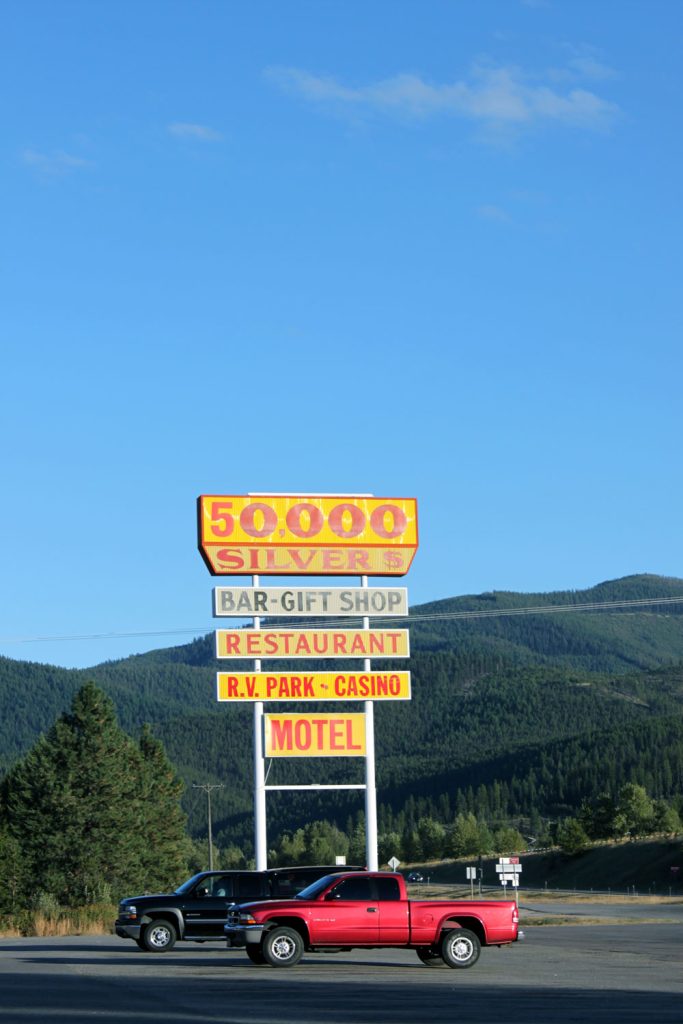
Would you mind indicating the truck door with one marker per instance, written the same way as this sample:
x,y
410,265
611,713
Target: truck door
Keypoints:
x,y
394,918
206,907
348,915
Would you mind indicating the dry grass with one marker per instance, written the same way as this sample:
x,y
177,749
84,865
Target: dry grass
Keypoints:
x,y
44,927
90,920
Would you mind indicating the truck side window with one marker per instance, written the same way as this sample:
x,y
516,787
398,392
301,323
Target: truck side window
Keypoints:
x,y
253,887
287,884
387,889
222,887
352,889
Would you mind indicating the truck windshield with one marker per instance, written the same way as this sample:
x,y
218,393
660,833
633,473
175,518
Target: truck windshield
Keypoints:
x,y
312,890
186,886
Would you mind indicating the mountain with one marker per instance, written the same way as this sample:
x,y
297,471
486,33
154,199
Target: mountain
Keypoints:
x,y
513,713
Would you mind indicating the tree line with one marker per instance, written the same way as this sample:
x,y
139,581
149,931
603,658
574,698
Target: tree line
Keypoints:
x,y
90,814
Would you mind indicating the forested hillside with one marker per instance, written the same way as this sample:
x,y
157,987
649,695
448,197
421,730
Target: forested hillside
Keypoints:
x,y
513,715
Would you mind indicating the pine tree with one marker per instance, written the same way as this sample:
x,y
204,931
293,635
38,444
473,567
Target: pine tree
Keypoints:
x,y
12,873
571,836
167,851
79,802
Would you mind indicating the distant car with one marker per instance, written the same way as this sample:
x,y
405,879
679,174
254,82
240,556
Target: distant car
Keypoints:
x,y
415,876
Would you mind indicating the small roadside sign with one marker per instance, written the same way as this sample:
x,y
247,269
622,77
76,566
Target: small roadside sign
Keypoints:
x,y
509,869
394,863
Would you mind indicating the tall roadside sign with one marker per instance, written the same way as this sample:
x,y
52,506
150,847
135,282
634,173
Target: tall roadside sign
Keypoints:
x,y
287,535
310,535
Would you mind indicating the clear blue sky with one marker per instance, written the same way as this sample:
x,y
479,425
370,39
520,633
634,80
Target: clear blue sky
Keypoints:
x,y
425,249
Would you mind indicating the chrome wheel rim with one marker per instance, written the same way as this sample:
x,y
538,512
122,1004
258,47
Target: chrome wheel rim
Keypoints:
x,y
283,948
159,937
461,949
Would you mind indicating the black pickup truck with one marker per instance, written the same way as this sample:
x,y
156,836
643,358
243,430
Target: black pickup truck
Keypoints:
x,y
198,909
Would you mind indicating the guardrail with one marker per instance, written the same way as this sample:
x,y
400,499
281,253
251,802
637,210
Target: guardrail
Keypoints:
x,y
452,890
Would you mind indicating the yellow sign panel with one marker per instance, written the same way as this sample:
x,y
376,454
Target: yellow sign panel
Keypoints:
x,y
286,686
244,535
314,735
312,643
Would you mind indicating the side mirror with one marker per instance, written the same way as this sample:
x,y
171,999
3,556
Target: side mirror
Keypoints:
x,y
201,892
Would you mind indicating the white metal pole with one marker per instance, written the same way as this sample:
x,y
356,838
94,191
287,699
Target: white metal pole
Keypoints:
x,y
260,830
370,784
208,794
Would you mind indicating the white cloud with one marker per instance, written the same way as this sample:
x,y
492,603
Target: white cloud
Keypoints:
x,y
55,163
489,211
187,130
590,67
491,96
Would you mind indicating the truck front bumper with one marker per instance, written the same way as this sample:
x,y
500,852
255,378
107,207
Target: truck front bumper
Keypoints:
x,y
241,935
127,931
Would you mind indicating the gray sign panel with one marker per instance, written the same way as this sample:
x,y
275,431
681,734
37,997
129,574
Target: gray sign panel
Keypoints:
x,y
310,602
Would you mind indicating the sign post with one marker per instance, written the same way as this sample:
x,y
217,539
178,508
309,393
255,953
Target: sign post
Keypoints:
x,y
260,834
509,869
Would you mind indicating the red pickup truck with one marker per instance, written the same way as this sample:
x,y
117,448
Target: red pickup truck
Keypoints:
x,y
370,909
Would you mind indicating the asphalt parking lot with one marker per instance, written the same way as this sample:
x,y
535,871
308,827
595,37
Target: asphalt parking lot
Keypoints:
x,y
593,973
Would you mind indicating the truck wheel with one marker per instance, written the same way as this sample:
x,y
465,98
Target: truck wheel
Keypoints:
x,y
159,937
255,953
283,947
430,956
460,948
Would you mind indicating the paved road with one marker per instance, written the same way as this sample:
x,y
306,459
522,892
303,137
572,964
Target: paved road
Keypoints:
x,y
621,910
593,974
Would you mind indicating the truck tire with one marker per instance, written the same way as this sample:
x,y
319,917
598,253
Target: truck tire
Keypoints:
x,y
430,956
255,953
159,937
460,948
282,947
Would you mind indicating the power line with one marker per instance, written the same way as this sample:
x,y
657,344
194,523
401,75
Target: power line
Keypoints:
x,y
484,613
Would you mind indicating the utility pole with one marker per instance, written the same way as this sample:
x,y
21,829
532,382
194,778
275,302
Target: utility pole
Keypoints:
x,y
207,787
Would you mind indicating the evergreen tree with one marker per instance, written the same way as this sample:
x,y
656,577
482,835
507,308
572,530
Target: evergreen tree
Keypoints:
x,y
78,805
571,836
666,818
388,846
12,873
357,845
432,838
508,841
323,843
598,817
466,838
412,847
168,849
635,811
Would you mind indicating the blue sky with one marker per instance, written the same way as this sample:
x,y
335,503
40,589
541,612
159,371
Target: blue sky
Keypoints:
x,y
406,248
